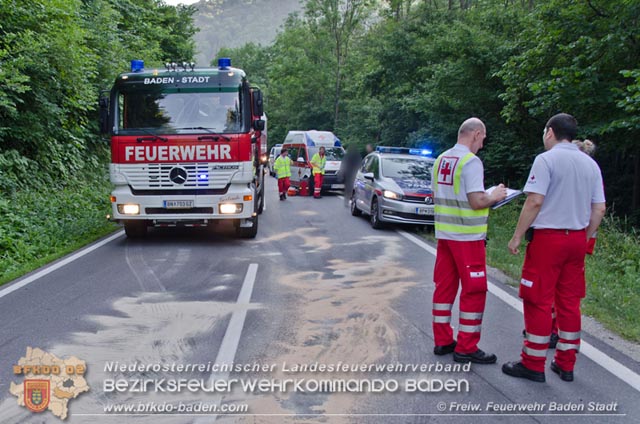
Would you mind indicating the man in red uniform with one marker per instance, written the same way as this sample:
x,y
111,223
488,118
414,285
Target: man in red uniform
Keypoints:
x,y
461,213
565,204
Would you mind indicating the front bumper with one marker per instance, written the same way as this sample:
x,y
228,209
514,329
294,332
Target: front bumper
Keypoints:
x,y
331,182
201,207
404,212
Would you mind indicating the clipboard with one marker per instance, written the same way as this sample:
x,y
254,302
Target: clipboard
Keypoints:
x,y
511,194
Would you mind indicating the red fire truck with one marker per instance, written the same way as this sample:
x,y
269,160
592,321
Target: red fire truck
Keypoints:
x,y
188,147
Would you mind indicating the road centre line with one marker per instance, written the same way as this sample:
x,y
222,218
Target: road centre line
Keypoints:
x,y
614,367
49,269
231,339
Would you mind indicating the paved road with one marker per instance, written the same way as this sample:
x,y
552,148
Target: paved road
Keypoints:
x,y
317,288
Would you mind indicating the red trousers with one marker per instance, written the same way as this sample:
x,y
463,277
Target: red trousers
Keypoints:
x,y
553,277
459,263
317,184
283,185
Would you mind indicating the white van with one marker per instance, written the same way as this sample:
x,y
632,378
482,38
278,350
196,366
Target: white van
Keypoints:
x,y
302,145
273,155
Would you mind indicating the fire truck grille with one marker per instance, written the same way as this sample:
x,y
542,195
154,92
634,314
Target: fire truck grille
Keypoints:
x,y
159,211
154,176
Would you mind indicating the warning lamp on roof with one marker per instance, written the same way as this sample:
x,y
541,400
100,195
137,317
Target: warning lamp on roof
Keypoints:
x,y
137,65
224,63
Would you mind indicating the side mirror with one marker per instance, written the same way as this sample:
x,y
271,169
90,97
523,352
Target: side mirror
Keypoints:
x,y
301,160
368,176
258,125
103,106
258,107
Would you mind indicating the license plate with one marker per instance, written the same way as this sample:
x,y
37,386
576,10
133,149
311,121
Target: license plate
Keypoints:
x,y
424,211
178,204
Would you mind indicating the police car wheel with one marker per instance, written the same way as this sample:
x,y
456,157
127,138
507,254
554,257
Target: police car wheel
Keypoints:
x,y
354,209
375,215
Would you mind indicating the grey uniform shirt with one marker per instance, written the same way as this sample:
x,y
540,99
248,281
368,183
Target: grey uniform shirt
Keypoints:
x,y
570,182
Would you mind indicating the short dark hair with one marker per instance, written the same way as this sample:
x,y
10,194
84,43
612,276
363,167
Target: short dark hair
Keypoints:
x,y
564,126
284,150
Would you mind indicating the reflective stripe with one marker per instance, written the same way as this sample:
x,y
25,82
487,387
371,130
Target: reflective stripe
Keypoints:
x,y
450,202
567,335
458,211
537,339
434,176
567,346
460,220
470,328
541,353
438,319
458,173
442,306
461,229
471,315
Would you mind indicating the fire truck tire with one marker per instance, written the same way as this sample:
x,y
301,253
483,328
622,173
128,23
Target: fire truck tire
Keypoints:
x,y
261,200
249,232
135,229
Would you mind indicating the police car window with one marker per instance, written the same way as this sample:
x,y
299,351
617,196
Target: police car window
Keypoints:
x,y
407,168
366,163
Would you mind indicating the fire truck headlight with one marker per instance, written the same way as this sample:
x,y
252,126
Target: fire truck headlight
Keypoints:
x,y
264,158
230,208
129,209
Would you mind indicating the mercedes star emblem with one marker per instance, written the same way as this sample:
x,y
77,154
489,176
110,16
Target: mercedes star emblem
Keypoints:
x,y
178,175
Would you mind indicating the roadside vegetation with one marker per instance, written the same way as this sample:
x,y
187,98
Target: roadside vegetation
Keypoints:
x,y
612,272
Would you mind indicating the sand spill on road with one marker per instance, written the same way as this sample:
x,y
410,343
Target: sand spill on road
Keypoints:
x,y
343,316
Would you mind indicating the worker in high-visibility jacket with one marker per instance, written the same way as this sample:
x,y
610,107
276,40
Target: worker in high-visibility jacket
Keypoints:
x,y
461,214
282,166
318,162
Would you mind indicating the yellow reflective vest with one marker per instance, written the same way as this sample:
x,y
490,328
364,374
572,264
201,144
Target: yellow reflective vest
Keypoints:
x,y
455,219
318,163
282,166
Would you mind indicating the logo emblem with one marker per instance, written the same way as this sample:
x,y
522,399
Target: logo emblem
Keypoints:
x,y
428,200
36,394
178,175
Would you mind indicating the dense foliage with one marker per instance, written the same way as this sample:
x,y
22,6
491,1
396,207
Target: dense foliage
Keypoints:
x,y
402,72
55,58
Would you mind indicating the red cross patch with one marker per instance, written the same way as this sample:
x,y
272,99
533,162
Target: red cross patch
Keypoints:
x,y
447,169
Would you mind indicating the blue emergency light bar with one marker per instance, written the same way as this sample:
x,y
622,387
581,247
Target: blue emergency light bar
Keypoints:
x,y
404,150
137,65
224,63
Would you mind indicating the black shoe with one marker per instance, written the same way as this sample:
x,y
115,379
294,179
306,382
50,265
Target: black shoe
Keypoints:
x,y
444,350
553,341
282,197
477,357
564,375
516,369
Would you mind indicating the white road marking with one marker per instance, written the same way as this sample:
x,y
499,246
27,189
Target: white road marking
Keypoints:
x,y
614,367
49,269
231,339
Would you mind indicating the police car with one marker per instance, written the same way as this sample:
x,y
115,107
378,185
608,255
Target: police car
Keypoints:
x,y
394,185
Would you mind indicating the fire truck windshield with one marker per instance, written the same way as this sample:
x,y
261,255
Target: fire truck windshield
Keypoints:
x,y
179,112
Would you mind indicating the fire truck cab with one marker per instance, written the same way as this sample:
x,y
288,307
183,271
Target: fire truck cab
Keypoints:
x,y
188,147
